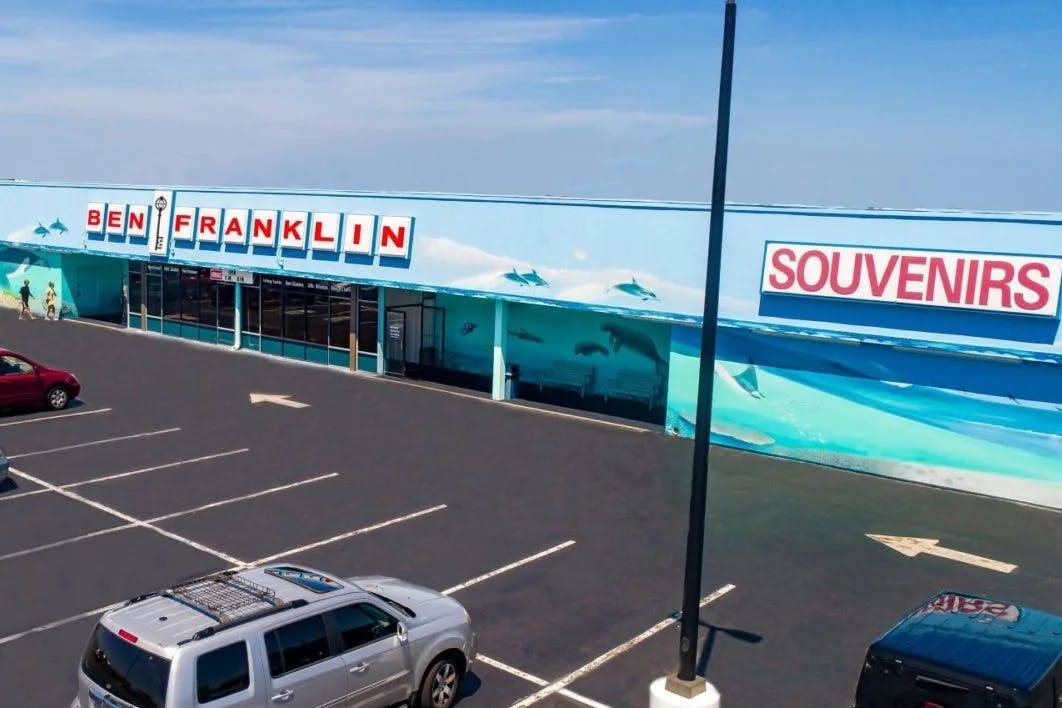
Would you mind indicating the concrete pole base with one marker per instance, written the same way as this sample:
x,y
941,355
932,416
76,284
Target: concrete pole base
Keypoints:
x,y
661,697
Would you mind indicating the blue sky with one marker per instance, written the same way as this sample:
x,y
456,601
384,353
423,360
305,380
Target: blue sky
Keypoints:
x,y
950,103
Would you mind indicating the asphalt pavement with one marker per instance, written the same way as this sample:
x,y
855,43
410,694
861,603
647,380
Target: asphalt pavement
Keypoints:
x,y
564,537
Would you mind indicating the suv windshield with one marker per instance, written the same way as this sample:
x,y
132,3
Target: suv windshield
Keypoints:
x,y
125,670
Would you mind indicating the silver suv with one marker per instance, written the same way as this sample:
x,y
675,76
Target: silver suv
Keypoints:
x,y
279,635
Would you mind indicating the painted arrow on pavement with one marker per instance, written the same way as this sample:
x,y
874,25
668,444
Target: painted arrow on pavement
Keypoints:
x,y
279,399
911,547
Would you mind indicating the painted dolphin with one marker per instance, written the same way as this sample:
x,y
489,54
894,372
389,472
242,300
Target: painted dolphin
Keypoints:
x,y
41,229
534,278
516,277
58,226
620,336
588,348
636,289
24,258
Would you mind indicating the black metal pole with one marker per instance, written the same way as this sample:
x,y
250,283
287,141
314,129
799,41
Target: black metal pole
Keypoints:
x,y
699,485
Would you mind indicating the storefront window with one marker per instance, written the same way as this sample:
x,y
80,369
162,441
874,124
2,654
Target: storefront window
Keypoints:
x,y
154,290
317,312
294,310
339,317
135,286
225,299
208,293
272,308
171,292
189,294
368,316
251,310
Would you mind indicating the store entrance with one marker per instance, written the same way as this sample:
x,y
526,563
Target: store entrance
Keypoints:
x,y
415,339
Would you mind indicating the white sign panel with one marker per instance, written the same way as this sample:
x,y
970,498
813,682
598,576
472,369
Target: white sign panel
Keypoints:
x,y
159,236
116,219
325,232
235,231
988,282
184,223
396,233
208,225
136,223
293,227
358,232
263,227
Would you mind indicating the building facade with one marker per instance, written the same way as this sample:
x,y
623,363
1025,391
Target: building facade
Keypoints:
x,y
920,345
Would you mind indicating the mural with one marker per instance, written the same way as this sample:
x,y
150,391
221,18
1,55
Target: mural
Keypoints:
x,y
18,265
984,424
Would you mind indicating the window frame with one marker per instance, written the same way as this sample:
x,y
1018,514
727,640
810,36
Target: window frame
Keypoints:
x,y
330,640
248,666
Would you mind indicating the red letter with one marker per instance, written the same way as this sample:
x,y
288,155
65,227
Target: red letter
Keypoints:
x,y
1001,283
357,234
971,284
95,217
906,276
114,220
233,227
938,272
207,224
783,268
877,287
1039,288
389,234
857,272
824,271
263,227
290,230
136,220
318,237
180,221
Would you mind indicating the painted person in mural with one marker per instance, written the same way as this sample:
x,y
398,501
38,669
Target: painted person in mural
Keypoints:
x,y
26,295
49,301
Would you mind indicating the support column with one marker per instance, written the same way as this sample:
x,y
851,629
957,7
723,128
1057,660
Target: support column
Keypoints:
x,y
237,317
501,316
381,331
354,315
143,295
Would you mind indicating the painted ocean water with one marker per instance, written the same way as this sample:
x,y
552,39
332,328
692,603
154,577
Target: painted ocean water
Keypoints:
x,y
988,421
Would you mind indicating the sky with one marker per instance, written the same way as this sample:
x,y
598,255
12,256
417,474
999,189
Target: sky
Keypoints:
x,y
864,103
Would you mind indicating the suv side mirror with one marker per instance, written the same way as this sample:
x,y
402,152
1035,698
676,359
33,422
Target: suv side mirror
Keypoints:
x,y
402,635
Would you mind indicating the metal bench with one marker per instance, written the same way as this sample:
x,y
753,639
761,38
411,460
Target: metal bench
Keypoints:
x,y
568,374
634,384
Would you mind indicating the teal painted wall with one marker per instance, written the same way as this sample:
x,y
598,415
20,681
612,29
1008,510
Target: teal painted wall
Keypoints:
x,y
19,264
93,284
540,335
469,333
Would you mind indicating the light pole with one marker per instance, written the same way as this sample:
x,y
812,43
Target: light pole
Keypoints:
x,y
685,688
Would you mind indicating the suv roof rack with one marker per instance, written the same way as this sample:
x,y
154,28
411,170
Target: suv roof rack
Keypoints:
x,y
224,597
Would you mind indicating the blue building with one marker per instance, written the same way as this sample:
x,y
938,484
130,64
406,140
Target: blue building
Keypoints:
x,y
921,345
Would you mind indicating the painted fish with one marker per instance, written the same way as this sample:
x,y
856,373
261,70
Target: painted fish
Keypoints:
x,y
515,277
524,334
636,289
534,278
468,328
588,348
41,229
58,226
620,336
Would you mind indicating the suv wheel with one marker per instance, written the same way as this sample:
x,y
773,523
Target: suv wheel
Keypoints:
x,y
438,688
57,398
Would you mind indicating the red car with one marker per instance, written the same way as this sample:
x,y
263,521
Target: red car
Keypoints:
x,y
24,382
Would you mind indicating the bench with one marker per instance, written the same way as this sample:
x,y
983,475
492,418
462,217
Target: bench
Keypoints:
x,y
568,374
634,384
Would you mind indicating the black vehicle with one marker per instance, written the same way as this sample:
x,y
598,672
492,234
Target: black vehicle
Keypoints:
x,y
961,651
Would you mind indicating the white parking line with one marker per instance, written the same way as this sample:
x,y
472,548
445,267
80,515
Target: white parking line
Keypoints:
x,y
120,475
126,517
25,494
185,512
539,681
344,536
46,418
505,568
59,623
560,684
94,442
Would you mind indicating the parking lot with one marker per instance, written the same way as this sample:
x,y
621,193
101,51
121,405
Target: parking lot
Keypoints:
x,y
563,536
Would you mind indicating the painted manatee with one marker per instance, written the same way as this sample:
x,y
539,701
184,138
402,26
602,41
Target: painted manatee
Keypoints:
x,y
588,348
620,336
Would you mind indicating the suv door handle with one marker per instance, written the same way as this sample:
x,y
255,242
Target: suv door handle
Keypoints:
x,y
359,668
283,697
